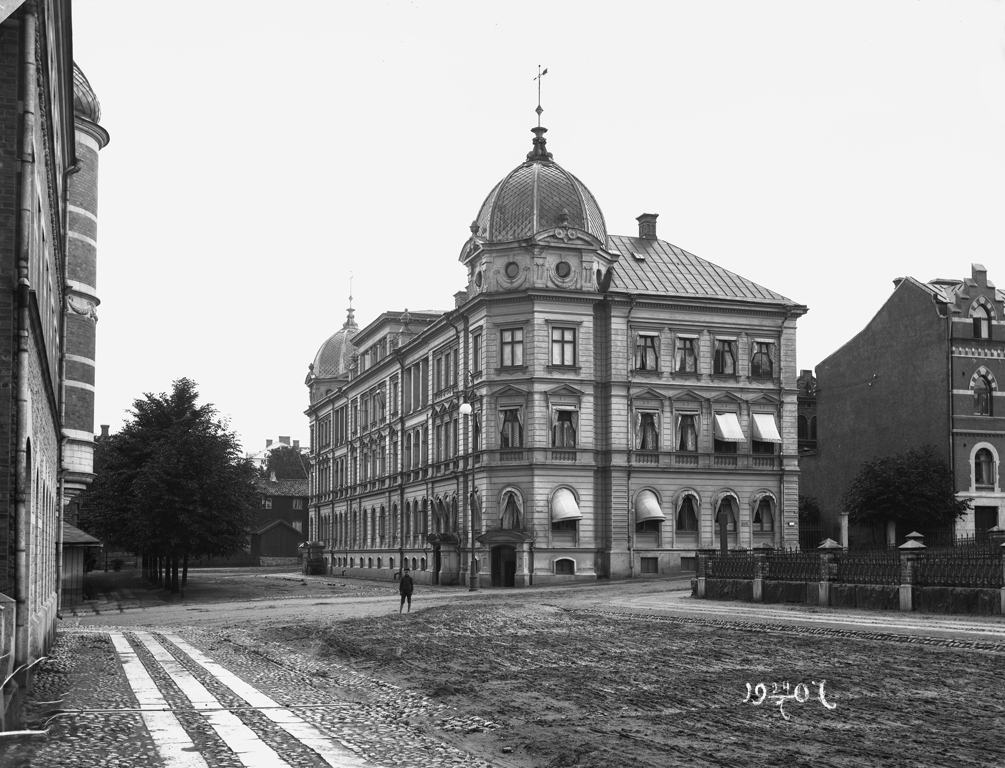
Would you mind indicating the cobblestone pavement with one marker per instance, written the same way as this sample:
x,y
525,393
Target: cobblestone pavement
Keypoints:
x,y
160,697
135,682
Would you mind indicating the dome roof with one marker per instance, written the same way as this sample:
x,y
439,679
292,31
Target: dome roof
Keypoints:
x,y
85,103
332,360
535,196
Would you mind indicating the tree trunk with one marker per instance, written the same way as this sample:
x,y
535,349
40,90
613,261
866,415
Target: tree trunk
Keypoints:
x,y
174,574
184,571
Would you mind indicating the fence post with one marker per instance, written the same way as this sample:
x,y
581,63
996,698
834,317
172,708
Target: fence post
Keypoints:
x,y
702,572
828,570
1001,596
910,551
761,566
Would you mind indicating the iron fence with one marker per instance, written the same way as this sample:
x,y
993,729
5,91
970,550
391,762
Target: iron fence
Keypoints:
x,y
875,568
961,569
735,565
793,566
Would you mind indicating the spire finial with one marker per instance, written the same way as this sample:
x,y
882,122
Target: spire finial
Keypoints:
x,y
350,320
539,109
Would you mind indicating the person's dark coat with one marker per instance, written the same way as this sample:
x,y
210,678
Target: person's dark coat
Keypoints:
x,y
405,586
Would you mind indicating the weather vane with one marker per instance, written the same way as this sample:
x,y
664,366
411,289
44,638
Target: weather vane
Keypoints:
x,y
539,110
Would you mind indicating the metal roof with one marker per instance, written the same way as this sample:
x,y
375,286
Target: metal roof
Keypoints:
x,y
657,267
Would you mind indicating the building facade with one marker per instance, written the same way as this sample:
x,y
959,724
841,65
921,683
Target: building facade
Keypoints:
x,y
281,524
591,407
38,157
924,371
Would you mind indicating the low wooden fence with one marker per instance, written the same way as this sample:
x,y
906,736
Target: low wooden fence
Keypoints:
x,y
966,579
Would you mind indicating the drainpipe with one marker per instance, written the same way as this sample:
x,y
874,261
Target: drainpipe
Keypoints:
x,y
401,459
631,420
23,474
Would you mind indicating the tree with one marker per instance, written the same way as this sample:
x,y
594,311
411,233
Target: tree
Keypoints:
x,y
287,462
172,483
916,488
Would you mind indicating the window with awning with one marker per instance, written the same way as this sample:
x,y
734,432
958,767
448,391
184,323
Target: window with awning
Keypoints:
x,y
647,507
765,428
564,506
727,428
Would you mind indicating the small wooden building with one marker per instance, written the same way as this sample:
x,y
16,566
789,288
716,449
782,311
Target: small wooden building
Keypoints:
x,y
76,544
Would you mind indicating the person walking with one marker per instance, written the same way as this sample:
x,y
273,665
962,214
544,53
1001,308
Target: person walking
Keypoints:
x,y
405,587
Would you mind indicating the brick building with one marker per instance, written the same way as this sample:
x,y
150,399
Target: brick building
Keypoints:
x,y
39,148
925,370
625,394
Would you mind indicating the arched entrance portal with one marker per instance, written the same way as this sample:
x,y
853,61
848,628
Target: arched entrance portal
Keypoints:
x,y
504,566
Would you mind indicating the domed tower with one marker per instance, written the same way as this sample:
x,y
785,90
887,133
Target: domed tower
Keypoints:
x,y
81,294
540,227
331,364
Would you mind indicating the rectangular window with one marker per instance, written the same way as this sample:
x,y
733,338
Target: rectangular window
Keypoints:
x,y
767,449
686,357
439,442
299,525
438,378
511,346
760,364
686,438
647,432
647,352
648,526
724,446
512,428
476,353
724,362
563,430
447,370
564,526
267,502
563,346
298,503
650,564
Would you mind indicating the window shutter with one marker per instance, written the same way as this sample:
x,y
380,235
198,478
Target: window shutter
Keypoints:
x,y
677,430
638,429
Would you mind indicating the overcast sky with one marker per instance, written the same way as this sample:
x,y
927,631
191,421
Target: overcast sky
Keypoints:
x,y
262,152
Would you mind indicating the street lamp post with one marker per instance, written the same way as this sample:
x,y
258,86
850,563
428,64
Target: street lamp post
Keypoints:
x,y
466,412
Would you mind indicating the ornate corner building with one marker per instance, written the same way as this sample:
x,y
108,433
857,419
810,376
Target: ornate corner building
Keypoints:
x,y
594,406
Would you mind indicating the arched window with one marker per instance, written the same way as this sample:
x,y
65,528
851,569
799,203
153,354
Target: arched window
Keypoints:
x,y
984,468
982,324
982,397
813,427
725,511
369,562
352,562
378,562
804,428
687,517
565,566
422,564
413,564
764,517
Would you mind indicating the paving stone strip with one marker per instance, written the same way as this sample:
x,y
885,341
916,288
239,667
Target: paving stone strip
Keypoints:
x,y
196,698
796,629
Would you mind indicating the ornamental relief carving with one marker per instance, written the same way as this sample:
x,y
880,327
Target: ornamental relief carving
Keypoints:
x,y
82,307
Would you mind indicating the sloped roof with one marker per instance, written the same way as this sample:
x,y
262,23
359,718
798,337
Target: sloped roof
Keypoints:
x,y
74,537
667,270
272,524
282,487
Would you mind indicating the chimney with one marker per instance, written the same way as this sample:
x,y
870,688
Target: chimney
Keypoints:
x,y
459,298
268,443
647,225
104,430
296,444
285,440
272,476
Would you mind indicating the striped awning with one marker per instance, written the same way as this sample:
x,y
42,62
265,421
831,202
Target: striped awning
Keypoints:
x,y
727,428
647,507
564,506
765,428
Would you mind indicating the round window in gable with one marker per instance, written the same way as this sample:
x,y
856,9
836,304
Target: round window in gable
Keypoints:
x,y
512,270
562,269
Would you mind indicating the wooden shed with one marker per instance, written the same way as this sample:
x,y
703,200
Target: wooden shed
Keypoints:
x,y
75,546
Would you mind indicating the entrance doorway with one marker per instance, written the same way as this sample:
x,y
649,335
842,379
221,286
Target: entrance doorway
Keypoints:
x,y
504,566
984,518
437,560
